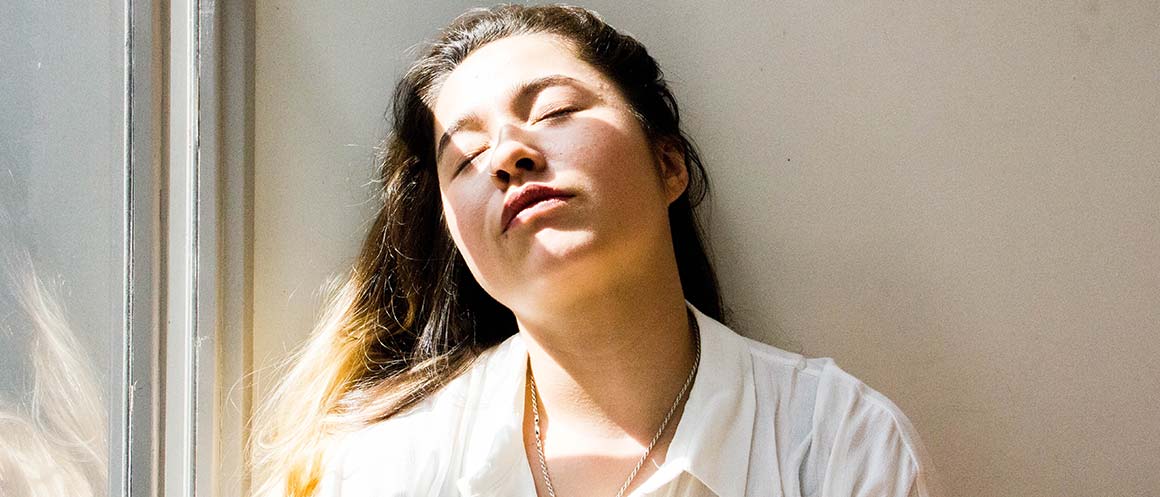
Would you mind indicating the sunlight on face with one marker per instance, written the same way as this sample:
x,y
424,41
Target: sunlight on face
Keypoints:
x,y
524,113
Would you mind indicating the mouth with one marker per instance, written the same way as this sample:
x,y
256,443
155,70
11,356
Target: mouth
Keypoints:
x,y
532,198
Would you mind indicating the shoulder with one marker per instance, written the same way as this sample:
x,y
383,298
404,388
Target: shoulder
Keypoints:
x,y
386,458
862,428
409,453
851,439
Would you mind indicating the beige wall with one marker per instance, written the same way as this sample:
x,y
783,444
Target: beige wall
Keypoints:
x,y
958,201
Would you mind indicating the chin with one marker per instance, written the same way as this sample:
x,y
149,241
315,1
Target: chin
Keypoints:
x,y
556,243
555,257
561,263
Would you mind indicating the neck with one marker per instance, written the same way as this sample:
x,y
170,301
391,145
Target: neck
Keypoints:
x,y
608,367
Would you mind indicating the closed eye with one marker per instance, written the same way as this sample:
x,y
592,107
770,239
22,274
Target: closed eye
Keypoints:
x,y
560,112
467,161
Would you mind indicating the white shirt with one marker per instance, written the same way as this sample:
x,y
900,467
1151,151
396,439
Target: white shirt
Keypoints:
x,y
759,421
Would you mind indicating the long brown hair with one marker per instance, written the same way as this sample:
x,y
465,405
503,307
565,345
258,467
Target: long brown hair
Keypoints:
x,y
410,317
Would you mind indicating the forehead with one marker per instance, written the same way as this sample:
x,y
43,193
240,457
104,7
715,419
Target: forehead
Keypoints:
x,y
493,70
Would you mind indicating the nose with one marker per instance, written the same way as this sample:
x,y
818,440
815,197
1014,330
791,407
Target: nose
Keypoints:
x,y
513,156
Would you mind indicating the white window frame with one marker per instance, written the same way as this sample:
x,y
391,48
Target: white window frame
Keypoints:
x,y
187,351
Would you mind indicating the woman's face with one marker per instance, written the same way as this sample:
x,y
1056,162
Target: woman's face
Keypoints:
x,y
549,185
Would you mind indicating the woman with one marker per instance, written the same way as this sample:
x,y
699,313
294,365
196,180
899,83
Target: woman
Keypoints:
x,y
534,313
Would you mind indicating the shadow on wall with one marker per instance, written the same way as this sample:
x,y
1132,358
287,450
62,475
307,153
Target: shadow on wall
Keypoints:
x,y
53,433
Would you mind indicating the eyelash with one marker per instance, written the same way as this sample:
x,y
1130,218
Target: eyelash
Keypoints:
x,y
557,113
467,160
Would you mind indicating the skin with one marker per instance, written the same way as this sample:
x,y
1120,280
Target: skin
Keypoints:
x,y
592,280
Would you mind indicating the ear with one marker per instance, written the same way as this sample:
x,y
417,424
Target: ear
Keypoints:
x,y
674,175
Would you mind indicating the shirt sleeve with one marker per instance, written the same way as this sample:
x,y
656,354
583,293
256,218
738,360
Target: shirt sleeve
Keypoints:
x,y
868,446
333,470
382,460
331,483
923,486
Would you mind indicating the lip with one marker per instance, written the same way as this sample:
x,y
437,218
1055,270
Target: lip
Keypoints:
x,y
526,197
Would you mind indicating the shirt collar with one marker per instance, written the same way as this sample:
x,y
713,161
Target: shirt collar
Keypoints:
x,y
715,432
494,461
712,440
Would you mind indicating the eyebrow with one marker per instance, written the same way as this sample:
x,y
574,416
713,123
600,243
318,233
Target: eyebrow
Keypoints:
x,y
520,93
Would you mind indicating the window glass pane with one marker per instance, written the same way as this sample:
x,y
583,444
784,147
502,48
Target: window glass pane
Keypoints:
x,y
62,96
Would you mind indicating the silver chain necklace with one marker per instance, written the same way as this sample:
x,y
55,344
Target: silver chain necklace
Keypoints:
x,y
655,438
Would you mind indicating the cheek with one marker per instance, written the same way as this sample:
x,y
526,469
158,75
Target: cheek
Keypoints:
x,y
619,159
454,214
466,218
